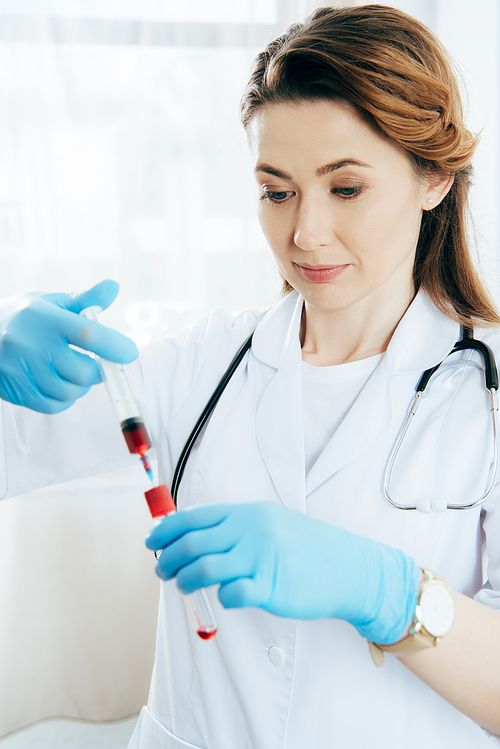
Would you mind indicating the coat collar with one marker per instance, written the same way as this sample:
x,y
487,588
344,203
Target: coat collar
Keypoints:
x,y
422,339
278,332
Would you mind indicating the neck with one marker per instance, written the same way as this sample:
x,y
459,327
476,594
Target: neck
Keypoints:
x,y
330,337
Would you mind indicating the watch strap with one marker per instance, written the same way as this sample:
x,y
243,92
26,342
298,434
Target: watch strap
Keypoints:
x,y
413,642
408,646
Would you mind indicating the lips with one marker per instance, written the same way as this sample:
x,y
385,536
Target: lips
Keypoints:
x,y
321,273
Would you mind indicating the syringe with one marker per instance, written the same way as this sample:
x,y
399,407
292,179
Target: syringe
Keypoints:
x,y
124,403
159,499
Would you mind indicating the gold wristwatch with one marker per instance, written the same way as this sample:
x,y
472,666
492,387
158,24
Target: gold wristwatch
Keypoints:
x,y
433,619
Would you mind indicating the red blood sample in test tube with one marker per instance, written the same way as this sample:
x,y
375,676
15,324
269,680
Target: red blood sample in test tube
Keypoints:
x,y
206,634
198,607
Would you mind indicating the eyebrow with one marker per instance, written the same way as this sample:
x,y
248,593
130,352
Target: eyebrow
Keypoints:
x,y
320,172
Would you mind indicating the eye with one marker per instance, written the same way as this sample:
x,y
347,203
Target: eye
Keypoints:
x,y
354,192
275,197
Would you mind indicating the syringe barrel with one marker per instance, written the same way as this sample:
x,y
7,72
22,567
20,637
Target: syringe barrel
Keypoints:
x,y
119,390
115,380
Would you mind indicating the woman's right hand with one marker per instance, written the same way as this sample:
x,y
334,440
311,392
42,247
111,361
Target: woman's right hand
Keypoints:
x,y
38,369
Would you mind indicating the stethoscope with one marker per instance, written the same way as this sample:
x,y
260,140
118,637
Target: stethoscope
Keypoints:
x,y
467,341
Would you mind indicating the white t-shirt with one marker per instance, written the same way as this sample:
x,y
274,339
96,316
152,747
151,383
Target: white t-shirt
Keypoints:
x,y
327,396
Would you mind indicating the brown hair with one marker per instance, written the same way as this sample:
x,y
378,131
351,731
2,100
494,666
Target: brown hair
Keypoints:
x,y
401,80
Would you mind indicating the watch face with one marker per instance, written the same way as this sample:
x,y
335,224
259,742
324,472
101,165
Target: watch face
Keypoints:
x,y
438,608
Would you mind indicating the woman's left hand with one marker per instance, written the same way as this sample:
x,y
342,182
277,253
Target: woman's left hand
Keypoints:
x,y
265,555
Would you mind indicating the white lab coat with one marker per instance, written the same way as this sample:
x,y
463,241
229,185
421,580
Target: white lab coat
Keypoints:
x,y
267,682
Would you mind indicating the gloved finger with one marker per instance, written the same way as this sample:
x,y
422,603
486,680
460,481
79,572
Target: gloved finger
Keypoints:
x,y
242,592
194,544
50,385
176,525
101,295
50,406
103,341
86,334
76,367
212,569
25,393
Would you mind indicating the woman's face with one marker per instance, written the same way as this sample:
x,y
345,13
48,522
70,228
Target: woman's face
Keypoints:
x,y
342,233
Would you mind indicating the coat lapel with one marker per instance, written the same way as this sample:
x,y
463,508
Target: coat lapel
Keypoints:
x,y
280,433
279,423
366,421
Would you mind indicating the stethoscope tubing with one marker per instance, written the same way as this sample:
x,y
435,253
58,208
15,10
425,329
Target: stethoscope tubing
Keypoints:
x,y
409,417
491,380
205,415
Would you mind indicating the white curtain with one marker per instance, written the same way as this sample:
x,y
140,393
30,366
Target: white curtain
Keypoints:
x,y
121,156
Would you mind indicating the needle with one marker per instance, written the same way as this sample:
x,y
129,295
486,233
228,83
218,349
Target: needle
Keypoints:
x,y
147,467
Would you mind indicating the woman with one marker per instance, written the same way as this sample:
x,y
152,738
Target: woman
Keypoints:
x,y
363,165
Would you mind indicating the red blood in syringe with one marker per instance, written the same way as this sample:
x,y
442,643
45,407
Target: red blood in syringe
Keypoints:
x,y
136,436
206,634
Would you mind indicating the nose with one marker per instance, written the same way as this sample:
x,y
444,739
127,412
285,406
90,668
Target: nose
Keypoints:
x,y
313,226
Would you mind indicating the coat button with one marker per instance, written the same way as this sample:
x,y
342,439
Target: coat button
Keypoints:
x,y
276,656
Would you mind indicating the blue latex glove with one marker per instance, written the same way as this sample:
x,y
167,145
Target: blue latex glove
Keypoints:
x,y
38,369
265,555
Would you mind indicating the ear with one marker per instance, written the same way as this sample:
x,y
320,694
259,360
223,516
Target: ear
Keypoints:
x,y
438,186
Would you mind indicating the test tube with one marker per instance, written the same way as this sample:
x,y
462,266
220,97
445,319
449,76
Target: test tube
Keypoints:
x,y
198,607
124,403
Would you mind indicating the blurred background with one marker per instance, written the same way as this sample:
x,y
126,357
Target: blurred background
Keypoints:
x,y
122,156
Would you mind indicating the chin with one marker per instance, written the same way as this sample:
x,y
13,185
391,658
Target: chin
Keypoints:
x,y
323,297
